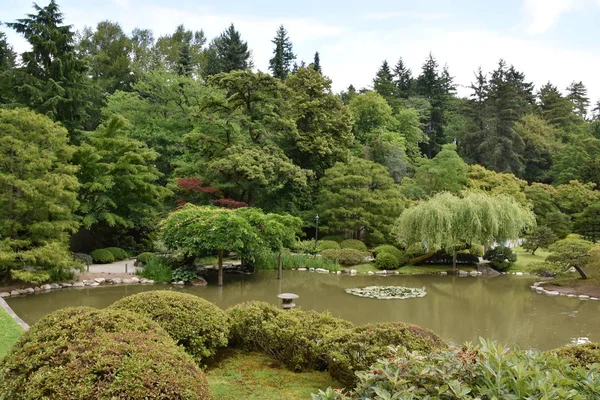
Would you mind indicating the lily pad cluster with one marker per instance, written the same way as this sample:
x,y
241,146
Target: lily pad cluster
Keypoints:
x,y
387,292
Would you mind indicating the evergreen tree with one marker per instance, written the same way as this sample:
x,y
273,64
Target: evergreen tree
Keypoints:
x,y
578,96
52,80
556,109
316,64
170,49
7,55
283,55
384,82
596,111
184,63
469,140
403,80
348,94
227,53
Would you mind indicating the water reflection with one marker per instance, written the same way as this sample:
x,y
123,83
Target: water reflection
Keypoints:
x,y
459,309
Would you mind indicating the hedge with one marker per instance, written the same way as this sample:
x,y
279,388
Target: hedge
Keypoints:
x,y
102,256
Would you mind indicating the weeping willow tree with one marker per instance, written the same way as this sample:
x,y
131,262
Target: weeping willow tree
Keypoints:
x,y
454,223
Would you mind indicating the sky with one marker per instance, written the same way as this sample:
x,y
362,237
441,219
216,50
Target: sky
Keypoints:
x,y
548,40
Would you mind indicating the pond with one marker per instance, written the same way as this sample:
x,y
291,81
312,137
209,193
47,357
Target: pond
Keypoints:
x,y
459,309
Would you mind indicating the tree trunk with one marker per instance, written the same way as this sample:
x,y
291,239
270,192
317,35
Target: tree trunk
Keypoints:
x,y
533,252
454,262
280,265
220,275
581,272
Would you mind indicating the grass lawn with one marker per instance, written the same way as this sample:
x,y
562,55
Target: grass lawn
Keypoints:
x,y
524,258
412,269
255,376
9,332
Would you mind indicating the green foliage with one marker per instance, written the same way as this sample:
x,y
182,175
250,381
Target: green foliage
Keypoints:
x,y
283,55
305,246
353,350
488,371
144,257
587,223
157,269
495,183
32,277
38,190
83,258
415,250
228,52
102,256
78,353
500,257
186,273
580,355
269,261
545,269
346,257
327,245
387,261
393,250
118,253
353,244
334,238
540,237
292,337
444,172
477,250
194,323
571,252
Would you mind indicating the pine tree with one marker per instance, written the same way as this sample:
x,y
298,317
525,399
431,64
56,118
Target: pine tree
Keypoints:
x,y
476,110
184,63
283,55
403,80
316,64
7,55
52,80
556,109
596,111
227,53
384,82
578,96
348,94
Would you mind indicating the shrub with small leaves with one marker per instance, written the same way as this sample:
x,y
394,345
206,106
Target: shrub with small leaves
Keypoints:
x,y
32,277
347,257
334,238
388,248
327,245
580,354
353,244
83,258
143,258
500,257
386,261
102,256
85,353
118,253
198,325
305,247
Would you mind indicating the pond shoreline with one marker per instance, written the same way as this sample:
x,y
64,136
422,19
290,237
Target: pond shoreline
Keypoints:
x,y
590,290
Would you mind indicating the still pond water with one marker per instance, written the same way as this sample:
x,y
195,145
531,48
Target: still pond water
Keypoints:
x,y
459,309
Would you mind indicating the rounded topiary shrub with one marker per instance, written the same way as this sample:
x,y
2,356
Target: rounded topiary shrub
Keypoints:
x,y
356,349
388,248
327,245
143,258
198,325
118,253
500,257
85,353
334,238
346,257
293,337
580,354
353,244
386,261
102,256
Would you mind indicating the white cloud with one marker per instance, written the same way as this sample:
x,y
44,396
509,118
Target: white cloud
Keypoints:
x,y
542,14
411,15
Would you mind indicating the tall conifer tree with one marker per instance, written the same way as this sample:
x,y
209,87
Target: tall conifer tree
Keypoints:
x,y
384,81
578,96
283,54
403,80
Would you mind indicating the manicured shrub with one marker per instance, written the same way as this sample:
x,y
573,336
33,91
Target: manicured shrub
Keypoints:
x,y
118,253
327,245
102,256
353,244
347,257
356,349
293,337
500,257
85,353
388,248
580,354
83,258
334,238
143,258
488,371
198,325
386,261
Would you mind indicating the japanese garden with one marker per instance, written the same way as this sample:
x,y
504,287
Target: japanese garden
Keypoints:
x,y
176,223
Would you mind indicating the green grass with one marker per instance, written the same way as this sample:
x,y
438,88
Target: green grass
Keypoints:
x,y
268,261
524,258
411,269
255,376
9,332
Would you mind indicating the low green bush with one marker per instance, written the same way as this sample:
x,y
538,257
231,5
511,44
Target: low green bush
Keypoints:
x,y
31,277
545,269
83,258
157,268
327,245
194,323
386,261
293,337
488,371
305,247
118,253
102,256
500,257
388,248
143,258
415,250
353,244
85,353
356,349
334,238
583,355
346,257
477,250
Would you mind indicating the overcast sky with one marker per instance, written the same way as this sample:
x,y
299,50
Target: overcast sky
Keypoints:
x,y
556,40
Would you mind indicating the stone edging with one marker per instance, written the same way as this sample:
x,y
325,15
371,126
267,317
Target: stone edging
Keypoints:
x,y
10,312
353,272
540,289
86,283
